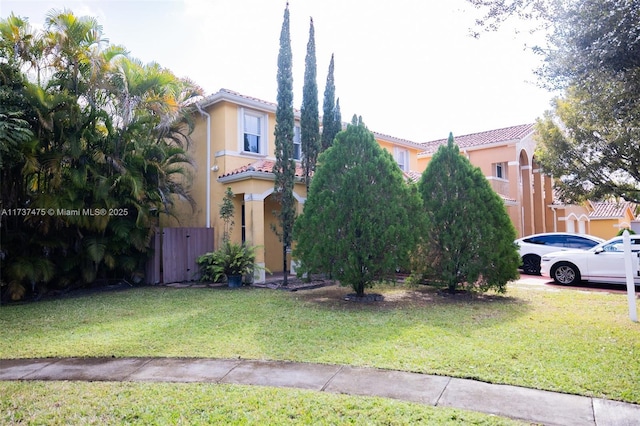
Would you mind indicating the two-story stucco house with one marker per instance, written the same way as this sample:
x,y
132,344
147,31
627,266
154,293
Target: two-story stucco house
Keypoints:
x,y
233,147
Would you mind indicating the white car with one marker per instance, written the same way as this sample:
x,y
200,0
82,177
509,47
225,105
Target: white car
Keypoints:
x,y
603,263
533,247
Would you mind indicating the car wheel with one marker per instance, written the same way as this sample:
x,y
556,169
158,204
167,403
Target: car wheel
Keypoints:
x,y
565,273
531,264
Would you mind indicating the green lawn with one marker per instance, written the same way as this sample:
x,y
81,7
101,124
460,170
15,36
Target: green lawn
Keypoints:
x,y
566,340
80,403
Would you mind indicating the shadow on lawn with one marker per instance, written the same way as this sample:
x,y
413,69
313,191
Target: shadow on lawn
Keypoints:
x,y
412,329
400,296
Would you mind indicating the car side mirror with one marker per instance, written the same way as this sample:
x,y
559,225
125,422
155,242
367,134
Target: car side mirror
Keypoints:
x,y
599,250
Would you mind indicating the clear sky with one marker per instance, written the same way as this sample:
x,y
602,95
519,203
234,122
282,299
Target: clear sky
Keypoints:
x,y
409,67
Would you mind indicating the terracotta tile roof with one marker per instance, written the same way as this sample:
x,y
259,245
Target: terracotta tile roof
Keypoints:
x,y
260,166
604,210
483,138
507,200
412,176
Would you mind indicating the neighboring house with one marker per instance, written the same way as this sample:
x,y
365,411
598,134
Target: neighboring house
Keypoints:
x,y
607,218
602,219
569,218
233,146
506,157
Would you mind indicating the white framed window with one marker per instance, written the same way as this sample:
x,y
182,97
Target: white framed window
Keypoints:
x,y
500,170
253,132
402,158
297,143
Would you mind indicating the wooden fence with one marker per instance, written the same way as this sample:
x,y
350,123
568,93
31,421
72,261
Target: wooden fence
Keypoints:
x,y
175,254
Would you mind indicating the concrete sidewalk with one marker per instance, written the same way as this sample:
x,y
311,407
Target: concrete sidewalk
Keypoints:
x,y
509,401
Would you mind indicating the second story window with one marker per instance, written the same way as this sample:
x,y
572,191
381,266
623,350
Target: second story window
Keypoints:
x,y
402,158
500,170
253,132
297,143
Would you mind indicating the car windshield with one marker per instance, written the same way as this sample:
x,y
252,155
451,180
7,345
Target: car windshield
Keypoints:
x,y
616,245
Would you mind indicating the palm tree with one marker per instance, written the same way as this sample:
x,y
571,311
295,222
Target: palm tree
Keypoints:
x,y
72,42
107,132
20,44
153,122
16,39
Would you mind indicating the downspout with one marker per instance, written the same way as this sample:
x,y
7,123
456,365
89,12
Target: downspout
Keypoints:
x,y
208,214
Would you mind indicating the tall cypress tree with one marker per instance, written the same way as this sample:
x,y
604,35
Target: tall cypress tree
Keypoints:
x,y
329,128
284,169
468,240
337,118
309,120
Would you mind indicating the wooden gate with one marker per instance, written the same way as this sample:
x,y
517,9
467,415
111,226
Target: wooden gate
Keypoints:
x,y
175,253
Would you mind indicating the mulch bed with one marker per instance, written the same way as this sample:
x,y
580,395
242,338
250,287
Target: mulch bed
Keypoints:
x,y
295,283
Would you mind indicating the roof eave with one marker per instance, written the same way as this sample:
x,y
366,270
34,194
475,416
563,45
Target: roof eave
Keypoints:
x,y
398,141
238,177
236,99
507,142
228,96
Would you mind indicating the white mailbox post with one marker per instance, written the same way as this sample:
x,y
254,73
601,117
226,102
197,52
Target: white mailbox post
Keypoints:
x,y
631,269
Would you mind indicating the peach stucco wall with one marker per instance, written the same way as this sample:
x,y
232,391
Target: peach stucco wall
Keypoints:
x,y
509,187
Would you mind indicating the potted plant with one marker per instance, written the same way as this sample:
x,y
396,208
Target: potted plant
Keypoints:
x,y
231,261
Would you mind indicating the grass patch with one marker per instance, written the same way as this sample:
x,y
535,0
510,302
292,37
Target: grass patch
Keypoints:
x,y
568,341
100,403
